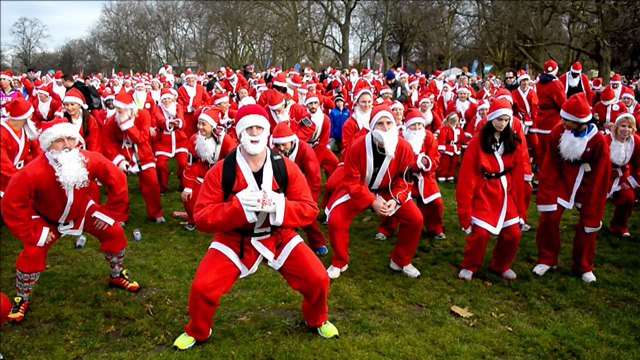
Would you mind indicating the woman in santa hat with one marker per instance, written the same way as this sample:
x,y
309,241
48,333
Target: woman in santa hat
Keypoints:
x,y
75,111
451,139
491,199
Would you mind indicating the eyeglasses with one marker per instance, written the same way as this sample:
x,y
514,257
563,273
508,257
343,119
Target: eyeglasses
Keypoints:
x,y
509,77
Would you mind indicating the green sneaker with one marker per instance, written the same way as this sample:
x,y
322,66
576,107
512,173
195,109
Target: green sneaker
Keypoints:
x,y
328,330
184,342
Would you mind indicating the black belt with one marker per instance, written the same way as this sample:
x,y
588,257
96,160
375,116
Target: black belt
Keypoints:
x,y
488,175
452,143
250,233
49,221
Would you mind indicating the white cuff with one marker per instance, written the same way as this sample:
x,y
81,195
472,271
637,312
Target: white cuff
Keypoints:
x,y
103,217
126,125
545,208
277,218
632,182
168,125
468,230
43,236
589,230
116,160
528,177
419,162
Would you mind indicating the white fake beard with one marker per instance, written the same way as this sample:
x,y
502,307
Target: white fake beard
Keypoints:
x,y
415,139
462,106
120,119
573,82
617,92
253,149
447,95
428,117
110,112
70,168
388,139
206,148
284,116
362,117
620,152
116,88
44,107
571,147
140,97
171,110
353,78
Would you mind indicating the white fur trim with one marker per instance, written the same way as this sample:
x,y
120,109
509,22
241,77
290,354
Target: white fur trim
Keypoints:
x,y
573,118
414,120
380,115
43,236
23,116
282,140
218,101
279,83
75,100
589,230
208,119
103,217
310,99
124,126
118,159
122,105
277,105
496,114
277,218
545,208
389,91
253,120
56,132
362,92
166,96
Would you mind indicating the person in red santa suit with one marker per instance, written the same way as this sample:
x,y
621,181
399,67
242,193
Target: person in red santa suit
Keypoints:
x,y
397,109
434,87
320,138
443,99
491,199
46,103
16,149
414,93
75,111
432,119
377,175
255,220
127,145
234,82
525,101
474,123
628,99
384,95
451,139
191,96
606,111
350,84
461,104
295,115
171,141
107,110
575,170
425,188
288,145
551,97
616,85
486,92
142,98
624,148
49,198
206,147
222,102
574,82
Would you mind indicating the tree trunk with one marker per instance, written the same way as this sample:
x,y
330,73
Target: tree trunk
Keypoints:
x,y
345,29
385,33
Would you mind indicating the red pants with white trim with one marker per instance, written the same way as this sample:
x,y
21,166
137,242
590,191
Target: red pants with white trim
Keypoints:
x,y
216,274
548,240
163,170
431,215
189,204
543,143
32,258
528,192
409,220
623,201
448,164
503,252
327,159
150,189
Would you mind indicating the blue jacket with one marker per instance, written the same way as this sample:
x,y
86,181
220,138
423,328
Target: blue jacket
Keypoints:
x,y
337,119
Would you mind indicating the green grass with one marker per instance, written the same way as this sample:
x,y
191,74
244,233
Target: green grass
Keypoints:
x,y
380,314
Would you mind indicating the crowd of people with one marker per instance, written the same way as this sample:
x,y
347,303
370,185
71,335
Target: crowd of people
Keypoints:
x,y
251,147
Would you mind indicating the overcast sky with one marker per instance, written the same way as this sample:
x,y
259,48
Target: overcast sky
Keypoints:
x,y
65,20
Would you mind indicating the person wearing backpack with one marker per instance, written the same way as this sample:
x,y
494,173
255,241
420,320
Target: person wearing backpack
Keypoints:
x,y
243,201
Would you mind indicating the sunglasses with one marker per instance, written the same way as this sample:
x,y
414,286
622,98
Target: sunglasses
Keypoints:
x,y
509,77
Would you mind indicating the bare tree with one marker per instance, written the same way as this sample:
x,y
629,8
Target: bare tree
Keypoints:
x,y
28,36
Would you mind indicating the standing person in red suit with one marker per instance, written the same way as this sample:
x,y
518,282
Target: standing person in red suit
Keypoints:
x,y
234,82
127,145
377,175
461,104
551,97
606,110
288,145
486,92
451,140
624,147
295,115
628,99
256,220
474,123
358,123
491,198
575,170
171,142
575,82
525,101
45,105
75,111
432,118
211,144
107,110
320,138
49,198
443,99
191,96
17,149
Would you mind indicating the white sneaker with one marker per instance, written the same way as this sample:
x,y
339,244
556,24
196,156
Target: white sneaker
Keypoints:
x,y
334,272
588,277
541,269
509,275
626,234
465,274
441,179
526,227
380,237
408,270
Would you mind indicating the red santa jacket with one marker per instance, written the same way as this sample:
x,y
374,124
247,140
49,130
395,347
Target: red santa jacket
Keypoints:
x,y
575,182
526,105
484,94
170,139
583,85
625,173
149,104
492,193
425,186
451,140
38,117
608,113
197,167
320,136
227,219
91,139
459,108
241,82
129,141
190,101
432,120
296,113
551,97
16,151
35,203
352,129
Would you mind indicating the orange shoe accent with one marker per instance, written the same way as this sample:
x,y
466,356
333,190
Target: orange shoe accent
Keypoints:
x,y
123,281
18,309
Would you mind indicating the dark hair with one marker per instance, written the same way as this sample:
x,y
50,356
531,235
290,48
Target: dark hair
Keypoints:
x,y
67,77
508,137
279,88
85,121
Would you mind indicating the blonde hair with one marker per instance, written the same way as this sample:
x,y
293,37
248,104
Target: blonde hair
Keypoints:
x,y
628,119
449,120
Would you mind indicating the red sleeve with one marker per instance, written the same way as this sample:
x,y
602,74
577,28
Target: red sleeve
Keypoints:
x,y
113,180
325,132
94,140
311,168
547,198
470,172
28,86
634,164
517,180
109,139
159,119
597,184
139,132
190,173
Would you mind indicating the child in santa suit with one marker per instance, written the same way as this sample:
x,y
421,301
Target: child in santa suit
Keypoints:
x,y
451,139
491,197
606,110
254,223
575,170
624,146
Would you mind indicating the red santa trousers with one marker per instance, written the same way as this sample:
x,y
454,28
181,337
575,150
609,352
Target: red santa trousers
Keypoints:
x,y
528,192
150,189
32,258
431,218
216,274
327,159
448,164
331,185
190,124
408,217
315,237
189,204
623,201
163,170
503,252
5,307
548,240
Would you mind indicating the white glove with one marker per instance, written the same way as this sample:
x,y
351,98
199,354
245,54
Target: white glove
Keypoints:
x,y
260,201
124,166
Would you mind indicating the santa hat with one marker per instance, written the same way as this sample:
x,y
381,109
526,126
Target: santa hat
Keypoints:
x,y
295,81
626,115
413,116
418,73
627,92
308,71
220,98
385,90
522,75
230,74
58,75
19,109
141,83
576,109
366,72
251,115
550,66
107,94
362,87
608,96
211,116
166,94
499,107
311,98
576,67
55,129
188,74
437,73
597,83
74,96
303,89
124,100
396,105
447,85
275,99
615,79
413,80
6,75
423,99
503,93
280,80
45,90
464,89
282,133
483,105
378,113
335,83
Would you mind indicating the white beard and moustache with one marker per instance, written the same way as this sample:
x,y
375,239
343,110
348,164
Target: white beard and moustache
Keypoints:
x,y
428,117
206,147
388,139
120,118
283,117
620,152
253,149
171,110
573,81
415,139
617,92
44,107
116,88
110,112
462,106
447,95
353,79
361,117
572,147
70,168
140,97
59,89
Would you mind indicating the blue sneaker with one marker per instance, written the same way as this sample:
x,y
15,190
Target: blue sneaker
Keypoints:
x,y
321,250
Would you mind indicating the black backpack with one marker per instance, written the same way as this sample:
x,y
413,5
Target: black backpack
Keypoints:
x,y
229,172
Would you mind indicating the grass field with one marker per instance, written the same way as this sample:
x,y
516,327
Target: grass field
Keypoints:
x,y
381,314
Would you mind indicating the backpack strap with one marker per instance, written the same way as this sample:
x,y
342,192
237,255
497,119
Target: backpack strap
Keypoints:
x,y
279,171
